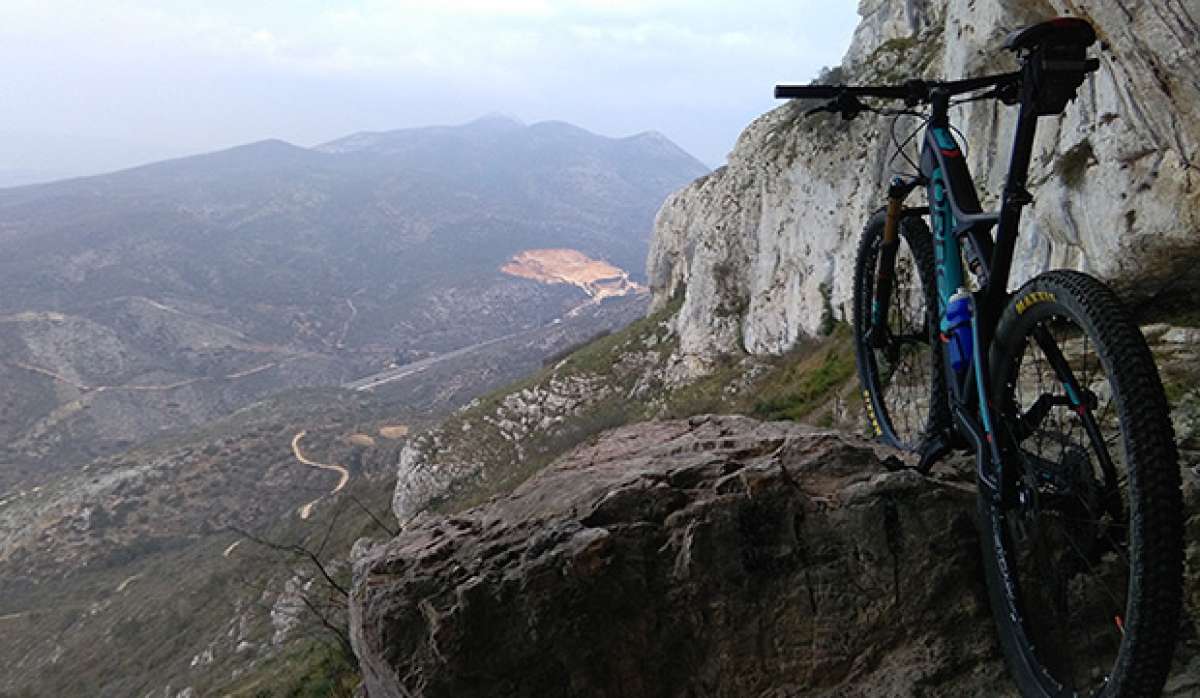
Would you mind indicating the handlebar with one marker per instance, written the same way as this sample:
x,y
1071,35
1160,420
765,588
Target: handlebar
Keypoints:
x,y
912,92
915,92
831,91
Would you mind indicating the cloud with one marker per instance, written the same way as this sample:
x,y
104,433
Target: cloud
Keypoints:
x,y
678,66
407,34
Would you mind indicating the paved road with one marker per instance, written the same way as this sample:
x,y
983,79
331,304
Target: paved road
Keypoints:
x,y
394,374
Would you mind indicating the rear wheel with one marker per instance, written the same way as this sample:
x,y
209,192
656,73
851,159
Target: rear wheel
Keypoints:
x,y
1084,567
899,366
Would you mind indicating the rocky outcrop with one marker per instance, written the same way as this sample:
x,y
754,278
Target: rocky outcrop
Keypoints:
x,y
763,249
716,556
436,461
613,381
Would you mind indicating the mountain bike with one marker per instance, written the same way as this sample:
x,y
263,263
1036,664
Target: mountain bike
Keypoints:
x,y
1053,388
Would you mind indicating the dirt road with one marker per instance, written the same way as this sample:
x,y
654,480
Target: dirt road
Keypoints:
x,y
306,510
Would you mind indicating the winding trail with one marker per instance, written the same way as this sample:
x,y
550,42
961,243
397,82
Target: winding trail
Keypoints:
x,y
251,371
373,381
144,388
306,510
50,374
125,584
341,342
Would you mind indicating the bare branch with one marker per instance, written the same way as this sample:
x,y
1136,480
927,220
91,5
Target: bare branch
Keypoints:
x,y
295,550
367,510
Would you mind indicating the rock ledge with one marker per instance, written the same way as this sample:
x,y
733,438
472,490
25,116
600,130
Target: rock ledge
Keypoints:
x,y
716,556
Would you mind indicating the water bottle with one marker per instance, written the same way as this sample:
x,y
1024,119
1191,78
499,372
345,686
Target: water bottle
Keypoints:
x,y
956,329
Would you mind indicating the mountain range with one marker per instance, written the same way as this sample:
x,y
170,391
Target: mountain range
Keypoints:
x,y
155,299
192,348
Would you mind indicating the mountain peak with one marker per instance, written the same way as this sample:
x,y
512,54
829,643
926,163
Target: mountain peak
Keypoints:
x,y
497,119
651,136
267,145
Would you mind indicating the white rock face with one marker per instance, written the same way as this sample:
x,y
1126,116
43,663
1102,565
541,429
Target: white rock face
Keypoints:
x,y
763,249
287,610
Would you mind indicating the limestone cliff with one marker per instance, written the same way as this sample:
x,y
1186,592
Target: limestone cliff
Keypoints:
x,y
763,249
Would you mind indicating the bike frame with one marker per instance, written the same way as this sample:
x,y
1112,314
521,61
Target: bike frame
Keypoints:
x,y
961,230
1053,65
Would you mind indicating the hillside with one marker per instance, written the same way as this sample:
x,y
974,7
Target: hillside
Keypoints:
x,y
150,548
158,298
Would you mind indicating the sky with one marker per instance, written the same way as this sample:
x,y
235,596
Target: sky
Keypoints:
x,y
95,86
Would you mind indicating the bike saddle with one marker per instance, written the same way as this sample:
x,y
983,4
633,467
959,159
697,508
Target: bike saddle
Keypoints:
x,y
1069,31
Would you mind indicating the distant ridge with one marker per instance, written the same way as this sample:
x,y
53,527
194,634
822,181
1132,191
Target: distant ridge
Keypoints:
x,y
295,266
399,139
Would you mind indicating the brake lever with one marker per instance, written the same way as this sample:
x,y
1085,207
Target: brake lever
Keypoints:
x,y
845,104
818,110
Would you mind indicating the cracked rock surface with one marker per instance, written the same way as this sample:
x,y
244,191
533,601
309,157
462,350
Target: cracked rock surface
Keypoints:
x,y
715,556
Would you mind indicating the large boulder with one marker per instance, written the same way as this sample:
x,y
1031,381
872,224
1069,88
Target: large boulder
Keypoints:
x,y
716,556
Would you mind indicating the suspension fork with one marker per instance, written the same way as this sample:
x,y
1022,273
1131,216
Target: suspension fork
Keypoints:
x,y
898,191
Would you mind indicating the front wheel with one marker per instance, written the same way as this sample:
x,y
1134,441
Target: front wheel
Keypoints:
x,y
1084,564
899,364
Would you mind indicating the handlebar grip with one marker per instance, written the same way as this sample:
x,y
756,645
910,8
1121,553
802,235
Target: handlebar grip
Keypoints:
x,y
807,91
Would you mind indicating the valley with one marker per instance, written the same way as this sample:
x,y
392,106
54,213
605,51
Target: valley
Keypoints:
x,y
154,300
195,356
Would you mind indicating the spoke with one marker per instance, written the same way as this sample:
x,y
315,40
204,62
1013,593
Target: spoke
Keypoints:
x,y
1071,519
1059,602
1104,413
1120,604
901,365
1094,521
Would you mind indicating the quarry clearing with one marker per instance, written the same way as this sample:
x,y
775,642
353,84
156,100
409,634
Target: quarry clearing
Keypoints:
x,y
597,278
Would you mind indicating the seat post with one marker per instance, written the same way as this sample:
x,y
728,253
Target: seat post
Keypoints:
x,y
1015,196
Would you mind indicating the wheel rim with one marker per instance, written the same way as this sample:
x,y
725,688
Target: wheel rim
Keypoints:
x,y
1067,536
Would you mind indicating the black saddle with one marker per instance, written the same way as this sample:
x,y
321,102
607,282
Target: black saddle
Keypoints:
x,y
1053,55
1060,32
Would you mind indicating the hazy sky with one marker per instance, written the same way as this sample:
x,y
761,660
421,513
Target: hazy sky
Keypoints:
x,y
90,86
